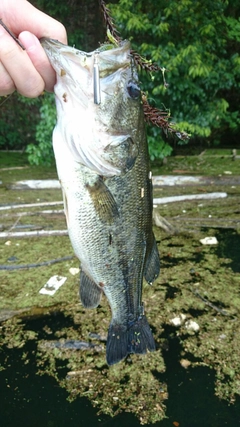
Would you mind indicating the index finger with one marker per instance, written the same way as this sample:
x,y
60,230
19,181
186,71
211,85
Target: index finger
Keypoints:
x,y
19,67
22,16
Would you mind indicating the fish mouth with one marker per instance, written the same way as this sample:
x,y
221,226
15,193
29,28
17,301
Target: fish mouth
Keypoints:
x,y
55,47
110,59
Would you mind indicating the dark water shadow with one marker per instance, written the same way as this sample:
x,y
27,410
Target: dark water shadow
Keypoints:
x,y
229,247
192,402
30,400
47,325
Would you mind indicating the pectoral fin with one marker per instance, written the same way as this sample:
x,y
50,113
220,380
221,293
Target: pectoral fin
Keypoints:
x,y
152,265
90,293
103,200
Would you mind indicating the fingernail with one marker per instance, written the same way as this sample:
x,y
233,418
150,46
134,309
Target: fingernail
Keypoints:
x,y
29,40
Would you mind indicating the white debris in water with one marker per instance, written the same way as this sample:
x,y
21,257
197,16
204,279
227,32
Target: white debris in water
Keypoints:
x,y
222,336
209,241
172,180
74,271
52,285
185,363
185,197
38,183
191,325
178,320
8,243
227,172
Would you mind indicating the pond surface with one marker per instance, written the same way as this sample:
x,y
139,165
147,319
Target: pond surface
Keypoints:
x,y
192,380
32,400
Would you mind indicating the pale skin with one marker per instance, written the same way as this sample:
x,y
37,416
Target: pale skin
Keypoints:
x,y
27,71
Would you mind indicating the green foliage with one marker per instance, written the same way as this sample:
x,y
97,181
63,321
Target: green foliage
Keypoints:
x,y
198,43
82,20
158,148
42,152
18,119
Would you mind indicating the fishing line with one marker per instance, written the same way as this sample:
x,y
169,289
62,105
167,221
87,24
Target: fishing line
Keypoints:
x,y
11,34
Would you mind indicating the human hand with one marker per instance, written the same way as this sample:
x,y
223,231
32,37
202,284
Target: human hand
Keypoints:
x,y
27,71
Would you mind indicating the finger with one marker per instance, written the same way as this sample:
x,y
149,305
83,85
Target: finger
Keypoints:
x,y
33,20
19,66
7,85
39,59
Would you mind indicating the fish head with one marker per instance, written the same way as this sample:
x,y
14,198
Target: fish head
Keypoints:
x,y
99,105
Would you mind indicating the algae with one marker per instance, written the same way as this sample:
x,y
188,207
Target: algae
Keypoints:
x,y
197,284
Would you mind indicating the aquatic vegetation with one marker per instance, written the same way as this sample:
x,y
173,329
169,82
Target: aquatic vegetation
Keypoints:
x,y
201,282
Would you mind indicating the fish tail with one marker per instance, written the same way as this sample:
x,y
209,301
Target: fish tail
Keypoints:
x,y
140,337
122,341
117,343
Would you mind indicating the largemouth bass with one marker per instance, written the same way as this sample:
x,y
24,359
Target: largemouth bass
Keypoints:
x,y
102,161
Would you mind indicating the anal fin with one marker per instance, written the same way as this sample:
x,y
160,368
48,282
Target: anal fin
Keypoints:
x,y
90,292
152,265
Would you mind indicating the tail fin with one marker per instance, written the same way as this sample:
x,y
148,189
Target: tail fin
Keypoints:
x,y
122,341
117,343
140,338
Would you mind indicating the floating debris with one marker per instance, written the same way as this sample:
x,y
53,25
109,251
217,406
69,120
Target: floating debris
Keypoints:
x,y
191,325
209,241
74,271
182,198
185,363
52,285
178,320
34,184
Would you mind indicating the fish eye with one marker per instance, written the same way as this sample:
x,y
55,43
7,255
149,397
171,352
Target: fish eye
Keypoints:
x,y
133,90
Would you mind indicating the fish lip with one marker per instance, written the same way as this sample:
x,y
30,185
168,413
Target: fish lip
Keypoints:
x,y
61,57
46,41
53,44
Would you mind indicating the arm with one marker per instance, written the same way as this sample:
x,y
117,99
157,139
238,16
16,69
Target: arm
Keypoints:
x,y
27,71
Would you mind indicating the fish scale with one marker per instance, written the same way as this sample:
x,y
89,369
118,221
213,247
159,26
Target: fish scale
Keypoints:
x,y
102,160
